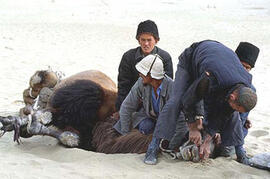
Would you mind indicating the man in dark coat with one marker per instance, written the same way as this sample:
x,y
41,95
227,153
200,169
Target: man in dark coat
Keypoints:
x,y
211,72
247,54
147,36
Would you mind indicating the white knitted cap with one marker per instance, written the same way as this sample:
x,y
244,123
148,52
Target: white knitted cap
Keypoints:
x,y
157,70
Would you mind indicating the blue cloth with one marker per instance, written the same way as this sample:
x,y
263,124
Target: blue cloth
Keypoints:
x,y
146,126
165,127
231,131
226,70
244,117
155,101
152,152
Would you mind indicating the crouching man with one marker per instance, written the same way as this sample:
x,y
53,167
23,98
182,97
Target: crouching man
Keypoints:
x,y
247,54
150,93
211,72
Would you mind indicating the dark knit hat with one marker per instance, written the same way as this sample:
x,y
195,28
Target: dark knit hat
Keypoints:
x,y
247,98
248,53
147,26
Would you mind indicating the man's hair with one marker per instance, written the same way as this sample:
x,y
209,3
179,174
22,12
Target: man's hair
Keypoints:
x,y
246,97
147,26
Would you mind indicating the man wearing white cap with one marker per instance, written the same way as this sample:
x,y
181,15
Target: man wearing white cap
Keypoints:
x,y
148,38
152,90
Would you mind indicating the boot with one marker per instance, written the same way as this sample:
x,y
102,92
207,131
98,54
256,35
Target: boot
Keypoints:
x,y
241,155
152,152
227,151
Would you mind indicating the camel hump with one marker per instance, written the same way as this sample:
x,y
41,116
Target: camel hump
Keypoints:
x,y
93,75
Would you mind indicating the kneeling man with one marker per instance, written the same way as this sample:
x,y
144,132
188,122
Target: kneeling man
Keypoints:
x,y
149,95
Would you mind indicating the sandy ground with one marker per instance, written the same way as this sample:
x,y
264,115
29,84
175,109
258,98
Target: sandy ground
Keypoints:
x,y
72,36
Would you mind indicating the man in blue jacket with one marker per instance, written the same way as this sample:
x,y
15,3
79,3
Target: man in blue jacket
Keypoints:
x,y
211,72
247,54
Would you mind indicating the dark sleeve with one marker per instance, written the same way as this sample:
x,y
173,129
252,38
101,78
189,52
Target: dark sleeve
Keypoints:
x,y
124,81
192,99
168,66
212,124
167,62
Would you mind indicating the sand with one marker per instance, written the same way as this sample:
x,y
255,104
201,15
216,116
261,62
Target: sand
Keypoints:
x,y
73,36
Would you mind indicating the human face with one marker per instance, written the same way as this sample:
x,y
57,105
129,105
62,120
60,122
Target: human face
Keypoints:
x,y
237,107
147,43
146,79
232,102
246,66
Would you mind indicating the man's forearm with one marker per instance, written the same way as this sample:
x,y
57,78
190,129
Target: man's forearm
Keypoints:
x,y
196,125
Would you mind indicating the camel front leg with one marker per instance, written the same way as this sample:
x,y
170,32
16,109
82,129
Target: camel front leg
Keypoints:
x,y
11,123
35,125
66,138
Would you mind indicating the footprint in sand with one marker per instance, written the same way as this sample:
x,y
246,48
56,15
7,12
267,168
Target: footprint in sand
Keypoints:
x,y
266,128
266,140
259,133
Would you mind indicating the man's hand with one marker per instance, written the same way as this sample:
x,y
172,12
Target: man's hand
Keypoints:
x,y
199,124
248,124
217,139
195,136
116,115
205,148
194,132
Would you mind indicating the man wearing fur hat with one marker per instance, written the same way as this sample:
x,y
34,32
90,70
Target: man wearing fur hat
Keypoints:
x,y
147,36
152,89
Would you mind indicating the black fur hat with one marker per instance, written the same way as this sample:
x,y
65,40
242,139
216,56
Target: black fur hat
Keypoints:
x,y
248,53
147,26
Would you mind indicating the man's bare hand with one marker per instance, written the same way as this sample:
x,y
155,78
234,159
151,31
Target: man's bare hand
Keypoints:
x,y
116,115
194,132
248,124
195,136
205,148
217,139
199,124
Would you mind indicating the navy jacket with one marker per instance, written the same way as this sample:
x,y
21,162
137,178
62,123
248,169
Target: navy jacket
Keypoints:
x,y
225,71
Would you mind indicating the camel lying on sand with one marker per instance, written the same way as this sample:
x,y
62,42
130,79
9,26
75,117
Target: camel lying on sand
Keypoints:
x,y
76,110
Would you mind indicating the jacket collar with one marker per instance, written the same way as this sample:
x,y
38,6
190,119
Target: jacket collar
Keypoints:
x,y
139,54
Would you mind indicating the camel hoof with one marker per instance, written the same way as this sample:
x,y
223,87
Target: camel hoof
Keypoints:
x,y
44,117
69,139
2,132
189,152
195,154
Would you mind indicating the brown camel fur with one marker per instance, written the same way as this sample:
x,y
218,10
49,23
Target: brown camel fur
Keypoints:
x,y
80,108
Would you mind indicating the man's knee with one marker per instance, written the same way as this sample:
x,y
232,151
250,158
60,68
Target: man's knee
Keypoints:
x,y
146,126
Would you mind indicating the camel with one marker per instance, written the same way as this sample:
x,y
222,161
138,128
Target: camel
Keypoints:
x,y
76,110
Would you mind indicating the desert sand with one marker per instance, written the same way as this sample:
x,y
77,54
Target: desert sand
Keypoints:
x,y
76,35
